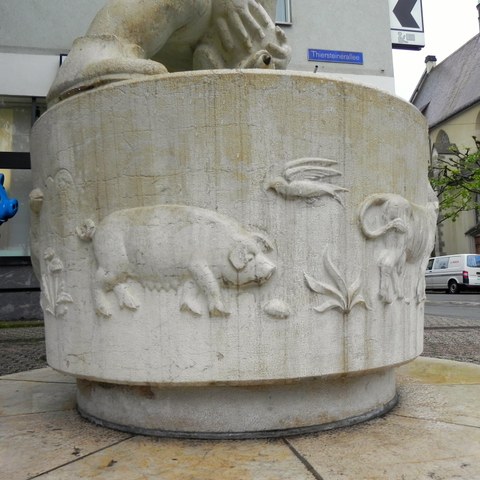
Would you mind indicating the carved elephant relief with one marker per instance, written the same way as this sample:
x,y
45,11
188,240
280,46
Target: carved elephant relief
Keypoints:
x,y
406,232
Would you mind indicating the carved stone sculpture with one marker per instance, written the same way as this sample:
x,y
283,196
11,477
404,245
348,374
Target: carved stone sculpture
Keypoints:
x,y
131,38
203,260
307,178
169,244
407,232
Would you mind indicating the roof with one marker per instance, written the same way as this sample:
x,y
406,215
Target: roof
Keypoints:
x,y
452,86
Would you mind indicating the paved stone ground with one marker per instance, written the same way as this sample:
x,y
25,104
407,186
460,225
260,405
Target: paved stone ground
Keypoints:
x,y
22,349
452,339
449,338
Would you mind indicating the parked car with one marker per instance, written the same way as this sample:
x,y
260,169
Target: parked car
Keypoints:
x,y
453,273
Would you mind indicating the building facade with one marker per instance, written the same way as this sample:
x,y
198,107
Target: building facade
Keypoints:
x,y
449,97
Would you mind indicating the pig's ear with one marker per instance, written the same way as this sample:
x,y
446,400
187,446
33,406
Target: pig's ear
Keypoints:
x,y
262,241
238,256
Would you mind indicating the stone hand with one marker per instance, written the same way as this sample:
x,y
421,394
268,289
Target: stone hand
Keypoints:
x,y
239,20
244,26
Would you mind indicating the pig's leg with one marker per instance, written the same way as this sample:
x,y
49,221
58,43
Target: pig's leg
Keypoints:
x,y
102,305
208,284
105,282
125,298
190,301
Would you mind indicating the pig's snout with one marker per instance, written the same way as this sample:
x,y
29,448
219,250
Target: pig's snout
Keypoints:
x,y
264,269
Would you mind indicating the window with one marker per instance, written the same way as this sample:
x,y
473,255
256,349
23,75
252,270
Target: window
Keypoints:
x,y
16,117
473,261
284,12
442,143
441,262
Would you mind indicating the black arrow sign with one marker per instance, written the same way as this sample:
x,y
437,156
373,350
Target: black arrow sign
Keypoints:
x,y
403,11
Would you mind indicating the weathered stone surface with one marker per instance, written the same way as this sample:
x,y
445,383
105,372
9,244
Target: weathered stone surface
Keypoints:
x,y
232,228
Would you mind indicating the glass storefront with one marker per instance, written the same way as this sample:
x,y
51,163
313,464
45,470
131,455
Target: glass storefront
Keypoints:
x,y
17,115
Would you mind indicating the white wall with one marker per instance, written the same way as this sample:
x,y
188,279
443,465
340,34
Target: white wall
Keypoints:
x,y
352,26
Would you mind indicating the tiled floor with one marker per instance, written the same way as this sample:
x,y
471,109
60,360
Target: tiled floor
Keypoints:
x,y
434,433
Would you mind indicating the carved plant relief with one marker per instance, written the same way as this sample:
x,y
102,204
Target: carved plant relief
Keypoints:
x,y
306,178
341,297
173,245
54,299
36,200
405,233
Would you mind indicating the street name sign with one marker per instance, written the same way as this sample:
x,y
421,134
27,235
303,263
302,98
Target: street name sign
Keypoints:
x,y
335,56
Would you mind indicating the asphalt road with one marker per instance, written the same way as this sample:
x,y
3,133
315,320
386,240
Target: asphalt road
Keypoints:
x,y
463,305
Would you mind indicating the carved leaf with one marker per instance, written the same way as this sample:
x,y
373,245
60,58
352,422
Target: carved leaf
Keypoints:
x,y
359,300
328,305
353,290
336,277
64,297
319,287
47,295
314,285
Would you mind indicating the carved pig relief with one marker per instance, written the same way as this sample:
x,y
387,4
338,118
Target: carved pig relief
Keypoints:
x,y
169,245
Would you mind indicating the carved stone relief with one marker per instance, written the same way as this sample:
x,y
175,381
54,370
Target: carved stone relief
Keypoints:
x,y
306,178
36,199
54,298
405,233
165,246
277,308
342,297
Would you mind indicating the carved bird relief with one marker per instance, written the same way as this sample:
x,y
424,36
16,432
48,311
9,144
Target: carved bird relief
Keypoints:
x,y
304,178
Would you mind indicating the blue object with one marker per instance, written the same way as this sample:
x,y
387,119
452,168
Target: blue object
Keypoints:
x,y
335,56
8,206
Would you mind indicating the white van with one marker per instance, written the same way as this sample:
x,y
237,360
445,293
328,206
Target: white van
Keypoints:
x,y
453,273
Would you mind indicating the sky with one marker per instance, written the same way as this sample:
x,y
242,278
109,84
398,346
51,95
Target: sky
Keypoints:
x,y
448,25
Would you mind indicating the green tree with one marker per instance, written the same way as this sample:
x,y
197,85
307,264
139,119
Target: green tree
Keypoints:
x,y
456,181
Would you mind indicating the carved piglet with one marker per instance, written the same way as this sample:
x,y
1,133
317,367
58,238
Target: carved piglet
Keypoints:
x,y
168,245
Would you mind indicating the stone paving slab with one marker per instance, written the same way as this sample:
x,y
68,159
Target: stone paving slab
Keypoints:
x,y
149,458
31,445
395,448
434,433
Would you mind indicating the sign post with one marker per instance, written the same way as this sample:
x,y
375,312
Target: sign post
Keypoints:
x,y
406,24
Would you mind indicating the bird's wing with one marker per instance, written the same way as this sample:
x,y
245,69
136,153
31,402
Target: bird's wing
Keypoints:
x,y
310,169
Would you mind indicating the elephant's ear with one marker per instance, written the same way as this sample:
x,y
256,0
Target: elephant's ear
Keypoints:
x,y
238,256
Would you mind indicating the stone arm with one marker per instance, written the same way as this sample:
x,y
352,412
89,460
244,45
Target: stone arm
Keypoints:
x,y
125,34
149,24
122,37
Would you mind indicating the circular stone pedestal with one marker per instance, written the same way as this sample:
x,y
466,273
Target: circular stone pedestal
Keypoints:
x,y
238,412
232,253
